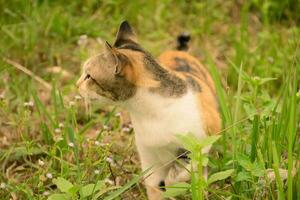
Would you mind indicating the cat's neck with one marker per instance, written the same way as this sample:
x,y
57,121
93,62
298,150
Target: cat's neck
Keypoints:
x,y
148,103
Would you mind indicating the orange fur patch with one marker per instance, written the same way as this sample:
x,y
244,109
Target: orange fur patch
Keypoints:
x,y
208,104
136,72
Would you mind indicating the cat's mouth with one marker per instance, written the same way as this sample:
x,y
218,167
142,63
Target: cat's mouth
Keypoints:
x,y
93,97
88,96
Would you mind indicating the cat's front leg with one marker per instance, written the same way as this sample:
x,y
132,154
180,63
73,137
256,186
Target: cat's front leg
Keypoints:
x,y
152,184
180,171
154,180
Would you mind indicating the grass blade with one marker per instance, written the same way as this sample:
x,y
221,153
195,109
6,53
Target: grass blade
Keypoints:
x,y
126,186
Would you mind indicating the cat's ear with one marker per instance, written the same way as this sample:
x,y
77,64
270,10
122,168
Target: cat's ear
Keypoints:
x,y
116,60
125,35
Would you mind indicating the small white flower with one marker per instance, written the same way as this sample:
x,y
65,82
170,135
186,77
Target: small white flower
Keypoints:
x,y
97,143
71,144
2,185
105,127
97,171
71,103
108,181
103,144
61,125
41,163
59,139
126,129
110,160
28,104
270,59
46,193
130,125
82,40
49,175
118,114
256,78
78,97
57,130
99,40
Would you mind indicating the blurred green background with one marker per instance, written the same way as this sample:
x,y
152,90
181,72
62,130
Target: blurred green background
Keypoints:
x,y
250,46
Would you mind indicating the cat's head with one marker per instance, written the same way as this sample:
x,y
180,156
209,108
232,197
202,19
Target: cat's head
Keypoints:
x,y
118,71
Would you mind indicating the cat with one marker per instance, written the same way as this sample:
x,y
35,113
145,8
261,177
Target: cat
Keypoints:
x,y
172,95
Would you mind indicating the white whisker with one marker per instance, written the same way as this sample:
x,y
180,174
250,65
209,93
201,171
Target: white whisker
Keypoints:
x,y
87,106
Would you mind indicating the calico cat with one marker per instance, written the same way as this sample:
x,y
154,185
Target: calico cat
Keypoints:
x,y
171,95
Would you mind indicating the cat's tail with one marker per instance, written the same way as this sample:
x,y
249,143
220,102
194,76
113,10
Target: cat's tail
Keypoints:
x,y
182,41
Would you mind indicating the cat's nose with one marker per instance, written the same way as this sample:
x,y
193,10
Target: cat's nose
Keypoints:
x,y
78,83
80,80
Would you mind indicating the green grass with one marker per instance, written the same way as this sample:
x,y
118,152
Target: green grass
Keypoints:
x,y
251,49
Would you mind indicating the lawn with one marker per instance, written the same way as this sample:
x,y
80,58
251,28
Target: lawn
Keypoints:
x,y
53,145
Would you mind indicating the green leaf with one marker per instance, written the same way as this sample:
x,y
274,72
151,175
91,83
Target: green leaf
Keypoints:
x,y
87,126
63,184
46,133
219,176
176,189
103,191
89,189
245,162
18,152
278,179
258,169
192,143
264,80
59,197
189,141
243,176
209,140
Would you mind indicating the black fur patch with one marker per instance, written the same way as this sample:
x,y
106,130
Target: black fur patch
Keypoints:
x,y
182,154
193,68
182,41
122,42
122,89
170,84
162,185
125,34
131,46
194,84
182,65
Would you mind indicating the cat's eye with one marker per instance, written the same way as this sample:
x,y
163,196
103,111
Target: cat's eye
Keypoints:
x,y
87,77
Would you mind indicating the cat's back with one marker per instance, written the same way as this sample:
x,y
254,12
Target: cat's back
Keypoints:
x,y
189,68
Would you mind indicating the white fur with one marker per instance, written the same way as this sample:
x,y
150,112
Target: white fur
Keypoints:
x,y
156,121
